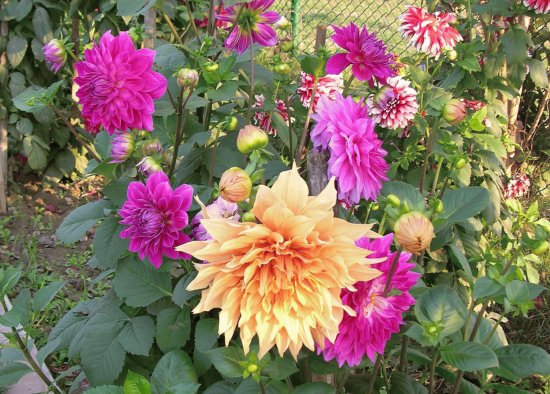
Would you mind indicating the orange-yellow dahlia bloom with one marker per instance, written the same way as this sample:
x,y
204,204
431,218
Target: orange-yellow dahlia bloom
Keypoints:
x,y
281,278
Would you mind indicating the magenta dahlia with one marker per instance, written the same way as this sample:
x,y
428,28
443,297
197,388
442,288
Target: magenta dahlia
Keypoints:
x,y
429,33
539,6
329,85
154,216
394,105
378,316
367,55
329,116
117,84
219,209
263,120
252,25
55,54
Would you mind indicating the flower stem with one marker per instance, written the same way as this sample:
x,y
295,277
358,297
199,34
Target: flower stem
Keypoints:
x,y
211,22
192,22
213,159
275,100
73,131
434,186
289,131
302,145
182,118
432,370
403,356
347,85
429,147
172,28
382,224
251,94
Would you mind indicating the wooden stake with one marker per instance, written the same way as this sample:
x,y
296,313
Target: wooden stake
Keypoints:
x,y
3,138
320,36
150,23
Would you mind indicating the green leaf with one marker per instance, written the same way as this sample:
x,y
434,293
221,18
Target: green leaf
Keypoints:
x,y
518,291
108,246
401,383
36,151
314,65
117,190
133,7
10,373
8,279
173,328
441,307
139,284
492,210
109,389
227,361
405,192
225,92
461,204
518,361
537,71
137,335
206,334
17,46
476,122
79,221
19,312
45,295
314,388
174,369
515,42
136,384
492,143
42,25
469,63
469,356
280,368
181,294
485,287
507,389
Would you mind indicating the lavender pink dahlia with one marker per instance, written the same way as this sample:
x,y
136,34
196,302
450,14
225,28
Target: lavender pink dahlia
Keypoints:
x,y
367,55
55,54
394,105
378,316
252,25
117,84
154,216
219,209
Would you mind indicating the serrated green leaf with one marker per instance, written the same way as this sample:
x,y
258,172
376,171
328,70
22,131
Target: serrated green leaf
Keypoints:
x,y
461,204
10,373
174,370
227,361
17,46
173,328
79,221
401,383
136,384
45,295
469,356
42,25
137,335
108,245
518,361
206,334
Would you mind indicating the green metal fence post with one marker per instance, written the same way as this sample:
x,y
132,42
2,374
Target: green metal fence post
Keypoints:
x,y
295,16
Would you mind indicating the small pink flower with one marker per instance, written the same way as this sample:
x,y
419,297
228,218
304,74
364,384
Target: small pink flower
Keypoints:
x,y
123,145
154,216
219,209
366,54
518,187
430,33
253,25
474,105
262,119
117,84
55,54
329,85
148,166
540,6
378,316
394,105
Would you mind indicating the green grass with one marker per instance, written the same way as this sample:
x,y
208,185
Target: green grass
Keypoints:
x,y
380,17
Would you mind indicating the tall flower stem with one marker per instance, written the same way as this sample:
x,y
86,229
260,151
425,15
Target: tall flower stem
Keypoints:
x,y
192,22
403,355
436,178
347,85
429,147
289,132
275,100
209,29
73,131
387,289
251,94
306,123
172,28
432,370
180,125
213,159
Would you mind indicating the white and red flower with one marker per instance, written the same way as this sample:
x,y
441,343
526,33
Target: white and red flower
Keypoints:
x,y
330,85
263,119
394,105
539,6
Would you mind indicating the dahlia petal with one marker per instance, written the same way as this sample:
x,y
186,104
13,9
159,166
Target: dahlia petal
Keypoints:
x,y
337,63
264,35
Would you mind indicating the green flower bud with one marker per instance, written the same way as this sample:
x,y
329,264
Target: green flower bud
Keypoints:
x,y
251,138
393,200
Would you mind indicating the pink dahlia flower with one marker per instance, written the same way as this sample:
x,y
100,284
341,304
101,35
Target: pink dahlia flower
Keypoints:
x,y
540,6
518,187
219,209
329,85
154,216
117,84
55,54
430,33
356,154
366,54
329,116
394,105
253,25
263,120
378,316
123,145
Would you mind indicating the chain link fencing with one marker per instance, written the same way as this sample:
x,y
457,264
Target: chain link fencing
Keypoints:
x,y
379,16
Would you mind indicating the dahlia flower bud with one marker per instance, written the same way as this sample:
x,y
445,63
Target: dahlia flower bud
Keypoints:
x,y
282,23
454,111
122,147
414,232
187,77
251,138
55,54
152,147
136,34
235,185
148,165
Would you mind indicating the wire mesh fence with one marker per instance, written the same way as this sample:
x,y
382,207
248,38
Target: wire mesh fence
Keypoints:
x,y
380,17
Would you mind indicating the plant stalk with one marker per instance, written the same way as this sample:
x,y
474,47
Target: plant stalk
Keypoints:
x,y
299,153
180,125
251,94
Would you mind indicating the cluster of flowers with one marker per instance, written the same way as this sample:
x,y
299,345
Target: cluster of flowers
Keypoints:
x,y
518,187
294,275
